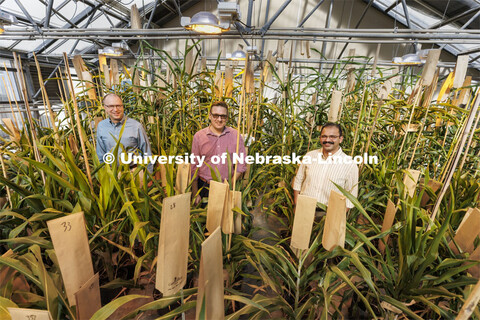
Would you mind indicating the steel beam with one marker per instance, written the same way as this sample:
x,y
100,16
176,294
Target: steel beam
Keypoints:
x,y
249,15
267,11
28,16
46,24
77,19
275,16
453,19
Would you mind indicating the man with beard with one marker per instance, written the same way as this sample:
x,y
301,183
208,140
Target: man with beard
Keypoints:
x,y
317,179
215,140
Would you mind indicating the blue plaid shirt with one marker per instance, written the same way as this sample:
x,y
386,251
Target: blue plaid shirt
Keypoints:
x,y
134,138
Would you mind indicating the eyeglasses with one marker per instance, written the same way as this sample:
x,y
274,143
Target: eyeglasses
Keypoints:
x,y
219,116
331,137
112,106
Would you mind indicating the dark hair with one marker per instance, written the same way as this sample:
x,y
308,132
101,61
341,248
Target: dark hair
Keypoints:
x,y
109,95
219,104
332,124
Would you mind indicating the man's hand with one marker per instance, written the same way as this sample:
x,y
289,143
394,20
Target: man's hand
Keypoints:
x,y
198,199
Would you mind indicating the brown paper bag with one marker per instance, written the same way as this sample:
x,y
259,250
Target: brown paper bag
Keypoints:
x,y
88,298
475,270
460,70
336,222
467,231
228,80
29,314
210,282
183,177
435,186
303,222
410,181
335,106
106,76
89,84
216,203
114,68
79,66
218,84
70,241
13,131
233,199
430,66
387,223
172,258
237,203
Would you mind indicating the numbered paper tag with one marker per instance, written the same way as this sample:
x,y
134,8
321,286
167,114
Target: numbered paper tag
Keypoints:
x,y
172,259
303,222
70,241
210,282
216,202
88,298
29,314
336,222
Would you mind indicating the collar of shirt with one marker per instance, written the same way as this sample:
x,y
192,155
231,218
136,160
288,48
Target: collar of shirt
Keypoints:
x,y
225,131
118,123
338,153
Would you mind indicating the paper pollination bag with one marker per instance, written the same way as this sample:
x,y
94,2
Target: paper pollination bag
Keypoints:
x,y
335,222
210,300
467,232
216,203
183,177
70,241
303,222
172,258
88,298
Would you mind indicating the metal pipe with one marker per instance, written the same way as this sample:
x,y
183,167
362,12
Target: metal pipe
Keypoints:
x,y
453,19
29,34
327,26
272,19
475,16
407,17
249,15
151,14
90,19
311,12
267,10
356,26
29,17
46,24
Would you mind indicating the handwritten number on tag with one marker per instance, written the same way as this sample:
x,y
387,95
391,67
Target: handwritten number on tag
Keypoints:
x,y
32,317
66,226
172,206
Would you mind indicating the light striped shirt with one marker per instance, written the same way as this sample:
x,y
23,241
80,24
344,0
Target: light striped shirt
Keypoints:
x,y
316,179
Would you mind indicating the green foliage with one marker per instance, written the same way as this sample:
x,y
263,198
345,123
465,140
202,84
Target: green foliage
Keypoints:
x,y
418,275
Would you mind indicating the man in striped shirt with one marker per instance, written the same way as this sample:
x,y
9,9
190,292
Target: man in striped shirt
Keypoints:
x,y
317,179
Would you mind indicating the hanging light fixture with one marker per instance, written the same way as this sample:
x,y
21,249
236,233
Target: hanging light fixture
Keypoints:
x,y
237,55
208,23
203,22
115,50
411,59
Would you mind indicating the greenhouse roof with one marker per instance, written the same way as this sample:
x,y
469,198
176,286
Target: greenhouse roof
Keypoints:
x,y
40,17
